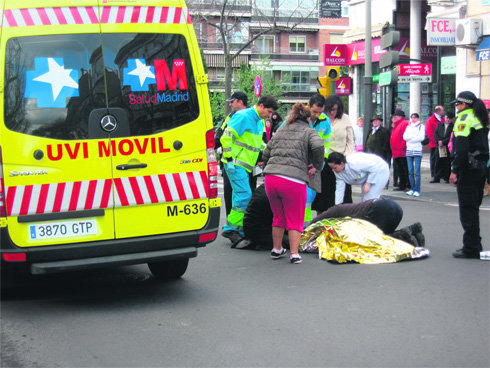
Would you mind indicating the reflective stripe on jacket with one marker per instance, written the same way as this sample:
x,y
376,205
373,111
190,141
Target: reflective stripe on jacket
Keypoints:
x,y
469,136
324,129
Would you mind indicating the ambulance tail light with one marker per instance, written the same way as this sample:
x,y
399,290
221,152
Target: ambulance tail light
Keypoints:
x,y
3,212
212,165
14,257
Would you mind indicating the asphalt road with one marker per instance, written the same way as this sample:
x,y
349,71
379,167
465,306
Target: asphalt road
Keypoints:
x,y
239,308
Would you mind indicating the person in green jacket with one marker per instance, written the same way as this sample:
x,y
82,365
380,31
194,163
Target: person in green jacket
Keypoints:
x,y
242,142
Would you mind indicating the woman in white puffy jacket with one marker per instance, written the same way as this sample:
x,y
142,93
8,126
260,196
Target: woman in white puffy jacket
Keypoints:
x,y
414,135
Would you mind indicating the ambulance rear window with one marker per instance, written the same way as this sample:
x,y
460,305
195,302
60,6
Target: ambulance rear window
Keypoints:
x,y
53,83
155,81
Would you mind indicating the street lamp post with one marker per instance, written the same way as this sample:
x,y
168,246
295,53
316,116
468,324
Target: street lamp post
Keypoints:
x,y
368,75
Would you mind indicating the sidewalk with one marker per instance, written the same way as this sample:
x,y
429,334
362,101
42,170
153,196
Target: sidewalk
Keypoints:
x,y
429,192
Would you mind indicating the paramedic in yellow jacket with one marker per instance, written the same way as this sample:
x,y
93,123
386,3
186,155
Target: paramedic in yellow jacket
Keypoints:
x,y
242,142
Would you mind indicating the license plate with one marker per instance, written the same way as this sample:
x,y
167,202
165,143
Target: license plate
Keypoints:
x,y
63,229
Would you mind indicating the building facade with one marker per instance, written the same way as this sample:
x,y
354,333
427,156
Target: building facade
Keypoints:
x,y
289,33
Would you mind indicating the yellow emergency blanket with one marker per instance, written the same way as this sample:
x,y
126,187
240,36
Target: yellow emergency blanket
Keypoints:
x,y
353,240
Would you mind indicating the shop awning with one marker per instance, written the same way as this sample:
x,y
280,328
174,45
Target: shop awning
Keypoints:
x,y
483,50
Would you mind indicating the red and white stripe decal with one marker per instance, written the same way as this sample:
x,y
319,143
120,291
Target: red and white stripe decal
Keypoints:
x,y
94,194
90,15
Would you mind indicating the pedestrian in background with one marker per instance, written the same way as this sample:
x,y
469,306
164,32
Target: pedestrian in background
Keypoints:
x,y
486,191
469,168
287,158
378,139
414,135
360,168
430,128
342,141
399,148
443,159
359,135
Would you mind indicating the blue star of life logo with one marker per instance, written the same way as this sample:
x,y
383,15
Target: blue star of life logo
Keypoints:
x,y
50,83
138,75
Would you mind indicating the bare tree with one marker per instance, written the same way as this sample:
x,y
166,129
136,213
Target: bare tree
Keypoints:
x,y
240,22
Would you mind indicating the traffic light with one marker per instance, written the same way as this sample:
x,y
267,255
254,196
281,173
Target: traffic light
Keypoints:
x,y
333,72
388,61
325,86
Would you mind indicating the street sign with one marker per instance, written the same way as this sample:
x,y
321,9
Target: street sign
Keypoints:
x,y
415,69
387,78
257,86
415,78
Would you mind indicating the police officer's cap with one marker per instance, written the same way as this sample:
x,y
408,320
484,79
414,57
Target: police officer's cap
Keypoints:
x,y
467,97
238,96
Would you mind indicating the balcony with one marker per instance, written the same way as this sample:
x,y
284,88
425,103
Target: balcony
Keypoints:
x,y
285,55
286,16
205,45
242,8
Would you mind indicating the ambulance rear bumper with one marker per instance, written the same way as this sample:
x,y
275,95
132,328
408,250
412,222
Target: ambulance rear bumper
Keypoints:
x,y
116,260
116,252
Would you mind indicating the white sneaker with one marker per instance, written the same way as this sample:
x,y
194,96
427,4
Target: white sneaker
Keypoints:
x,y
410,192
416,194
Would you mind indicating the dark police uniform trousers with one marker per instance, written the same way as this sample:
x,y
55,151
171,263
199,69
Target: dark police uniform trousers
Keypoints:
x,y
470,194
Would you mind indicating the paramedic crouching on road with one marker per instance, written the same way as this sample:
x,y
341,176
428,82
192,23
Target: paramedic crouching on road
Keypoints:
x,y
242,142
366,169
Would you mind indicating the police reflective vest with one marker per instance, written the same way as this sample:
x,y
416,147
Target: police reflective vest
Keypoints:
x,y
242,138
469,137
324,129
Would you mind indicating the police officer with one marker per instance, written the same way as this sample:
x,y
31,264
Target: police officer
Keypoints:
x,y
242,142
470,150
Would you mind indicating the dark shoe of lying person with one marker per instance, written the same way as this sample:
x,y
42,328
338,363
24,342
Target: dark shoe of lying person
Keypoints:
x,y
415,228
461,253
420,238
406,235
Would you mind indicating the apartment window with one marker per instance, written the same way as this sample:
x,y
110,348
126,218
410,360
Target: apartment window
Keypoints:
x,y
336,38
235,33
220,74
198,29
345,9
297,43
300,80
264,44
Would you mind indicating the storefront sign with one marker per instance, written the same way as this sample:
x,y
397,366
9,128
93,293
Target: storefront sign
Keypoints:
x,y
330,8
343,86
334,54
415,78
448,65
414,69
483,50
356,53
441,31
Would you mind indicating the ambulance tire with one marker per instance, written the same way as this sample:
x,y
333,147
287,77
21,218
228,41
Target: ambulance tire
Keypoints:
x,y
169,270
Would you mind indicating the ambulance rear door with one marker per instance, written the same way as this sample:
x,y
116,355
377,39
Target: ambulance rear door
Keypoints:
x,y
159,153
58,180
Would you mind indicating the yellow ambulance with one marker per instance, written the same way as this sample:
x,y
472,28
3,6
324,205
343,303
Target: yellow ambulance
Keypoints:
x,y
107,147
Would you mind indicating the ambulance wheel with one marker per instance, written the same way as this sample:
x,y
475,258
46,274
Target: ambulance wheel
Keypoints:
x,y
169,270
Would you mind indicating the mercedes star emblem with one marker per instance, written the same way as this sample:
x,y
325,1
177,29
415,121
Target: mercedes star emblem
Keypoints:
x,y
108,123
